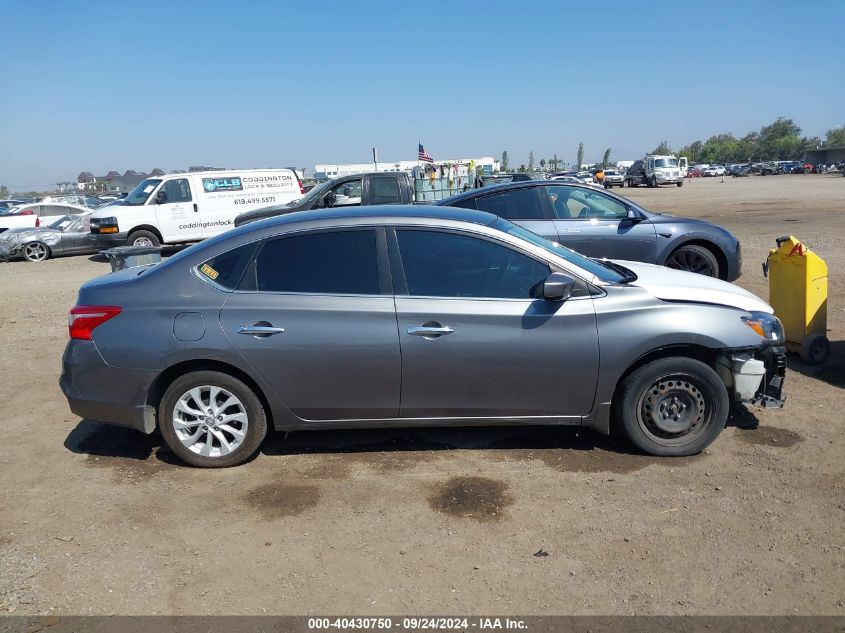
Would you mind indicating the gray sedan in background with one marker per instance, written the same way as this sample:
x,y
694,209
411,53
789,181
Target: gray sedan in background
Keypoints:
x,y
598,223
65,235
412,316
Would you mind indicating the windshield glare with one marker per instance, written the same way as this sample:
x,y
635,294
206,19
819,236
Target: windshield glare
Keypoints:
x,y
62,222
666,162
140,194
591,266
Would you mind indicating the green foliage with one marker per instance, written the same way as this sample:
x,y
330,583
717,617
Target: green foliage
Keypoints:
x,y
543,164
504,162
835,137
522,168
580,158
531,160
663,148
605,161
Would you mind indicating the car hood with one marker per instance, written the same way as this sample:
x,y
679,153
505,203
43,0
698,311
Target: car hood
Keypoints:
x,y
678,285
25,233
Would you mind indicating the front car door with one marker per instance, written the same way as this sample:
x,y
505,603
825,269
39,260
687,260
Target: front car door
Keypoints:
x,y
477,342
596,224
76,235
177,215
333,350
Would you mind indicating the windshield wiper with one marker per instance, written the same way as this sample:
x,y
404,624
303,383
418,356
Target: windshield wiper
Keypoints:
x,y
628,275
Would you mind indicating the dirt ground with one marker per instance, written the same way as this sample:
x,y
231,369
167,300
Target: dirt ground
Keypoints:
x,y
101,520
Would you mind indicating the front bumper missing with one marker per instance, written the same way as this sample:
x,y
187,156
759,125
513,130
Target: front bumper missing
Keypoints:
x,y
770,394
755,376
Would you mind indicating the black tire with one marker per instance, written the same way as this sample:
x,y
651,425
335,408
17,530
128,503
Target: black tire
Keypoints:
x,y
653,182
256,418
140,238
680,183
672,407
814,349
695,259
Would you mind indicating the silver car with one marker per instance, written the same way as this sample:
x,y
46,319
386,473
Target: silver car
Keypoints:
x,y
66,235
412,316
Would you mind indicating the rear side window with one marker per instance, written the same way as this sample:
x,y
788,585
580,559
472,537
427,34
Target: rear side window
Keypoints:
x,y
468,203
330,262
518,204
385,190
227,268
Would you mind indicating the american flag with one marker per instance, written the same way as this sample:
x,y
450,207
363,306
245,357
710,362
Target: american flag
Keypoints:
x,y
423,155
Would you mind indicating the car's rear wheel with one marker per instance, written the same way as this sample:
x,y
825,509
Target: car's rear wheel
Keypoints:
x,y
695,259
143,238
211,419
680,183
672,407
36,252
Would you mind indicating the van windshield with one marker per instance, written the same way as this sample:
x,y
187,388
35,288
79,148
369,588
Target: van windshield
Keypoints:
x,y
140,194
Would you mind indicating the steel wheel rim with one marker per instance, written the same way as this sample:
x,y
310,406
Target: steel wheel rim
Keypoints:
x,y
210,421
142,241
674,409
691,261
35,252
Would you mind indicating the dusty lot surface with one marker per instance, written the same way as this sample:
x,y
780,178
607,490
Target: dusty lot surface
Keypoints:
x,y
101,520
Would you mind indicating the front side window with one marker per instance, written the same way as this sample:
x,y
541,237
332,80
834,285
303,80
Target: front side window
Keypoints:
x,y
578,203
517,204
346,194
177,190
329,262
442,264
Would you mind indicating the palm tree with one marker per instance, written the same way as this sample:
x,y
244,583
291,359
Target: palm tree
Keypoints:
x,y
543,164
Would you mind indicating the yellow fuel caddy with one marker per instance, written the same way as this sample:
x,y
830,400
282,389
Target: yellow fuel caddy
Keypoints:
x,y
798,294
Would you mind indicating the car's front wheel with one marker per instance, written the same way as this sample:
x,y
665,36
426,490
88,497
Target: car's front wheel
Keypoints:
x,y
695,259
36,252
672,407
211,419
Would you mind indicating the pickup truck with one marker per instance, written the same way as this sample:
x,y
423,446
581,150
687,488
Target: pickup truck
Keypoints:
x,y
346,191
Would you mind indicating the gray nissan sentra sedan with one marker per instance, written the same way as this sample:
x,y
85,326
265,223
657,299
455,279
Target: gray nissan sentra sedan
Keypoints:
x,y
412,316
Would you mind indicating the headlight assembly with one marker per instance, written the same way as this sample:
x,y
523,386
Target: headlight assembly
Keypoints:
x,y
766,325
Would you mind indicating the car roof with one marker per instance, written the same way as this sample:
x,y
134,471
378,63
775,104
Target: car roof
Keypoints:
x,y
386,212
507,186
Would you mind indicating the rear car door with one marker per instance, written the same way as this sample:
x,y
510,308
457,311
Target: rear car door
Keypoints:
x,y
477,342
597,225
332,350
383,190
177,213
524,206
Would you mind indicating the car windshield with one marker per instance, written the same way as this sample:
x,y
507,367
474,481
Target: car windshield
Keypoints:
x,y
603,272
316,192
665,162
62,222
140,194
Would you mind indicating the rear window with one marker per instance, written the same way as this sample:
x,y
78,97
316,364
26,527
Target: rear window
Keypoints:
x,y
227,268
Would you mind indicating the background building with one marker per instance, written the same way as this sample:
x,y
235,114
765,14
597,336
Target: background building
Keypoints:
x,y
325,170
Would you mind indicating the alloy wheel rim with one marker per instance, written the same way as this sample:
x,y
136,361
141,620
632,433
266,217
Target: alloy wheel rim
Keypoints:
x,y
692,262
142,241
210,421
674,409
35,252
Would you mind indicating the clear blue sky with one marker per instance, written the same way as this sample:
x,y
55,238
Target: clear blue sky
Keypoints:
x,y
123,85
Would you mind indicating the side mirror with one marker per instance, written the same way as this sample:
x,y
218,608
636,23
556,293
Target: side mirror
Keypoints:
x,y
558,287
161,196
633,216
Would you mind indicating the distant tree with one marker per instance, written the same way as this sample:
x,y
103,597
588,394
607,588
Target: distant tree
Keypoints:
x,y
543,164
504,161
555,162
835,137
522,168
531,160
580,158
605,161
4,191
662,149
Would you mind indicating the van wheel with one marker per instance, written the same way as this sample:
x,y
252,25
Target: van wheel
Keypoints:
x,y
211,419
672,407
143,238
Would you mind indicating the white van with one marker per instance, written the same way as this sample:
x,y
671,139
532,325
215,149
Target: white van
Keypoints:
x,y
179,208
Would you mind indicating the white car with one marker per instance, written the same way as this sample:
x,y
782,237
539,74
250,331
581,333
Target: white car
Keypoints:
x,y
37,214
714,170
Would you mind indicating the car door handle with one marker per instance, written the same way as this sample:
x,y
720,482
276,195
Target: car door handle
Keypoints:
x,y
429,330
196,208
260,330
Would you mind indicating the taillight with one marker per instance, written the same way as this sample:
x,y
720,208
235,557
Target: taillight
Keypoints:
x,y
37,223
301,188
83,319
27,212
